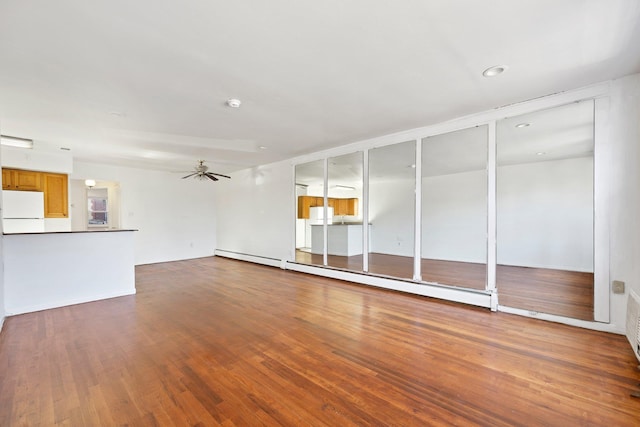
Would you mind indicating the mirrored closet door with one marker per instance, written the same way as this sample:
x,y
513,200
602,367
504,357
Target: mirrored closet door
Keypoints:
x,y
344,212
545,205
309,209
454,208
392,177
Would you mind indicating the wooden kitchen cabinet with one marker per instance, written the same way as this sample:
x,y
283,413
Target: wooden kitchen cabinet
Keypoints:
x,y
21,180
56,204
306,202
340,206
53,185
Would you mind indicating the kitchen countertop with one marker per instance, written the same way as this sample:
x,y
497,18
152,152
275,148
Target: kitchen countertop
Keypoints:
x,y
100,230
340,223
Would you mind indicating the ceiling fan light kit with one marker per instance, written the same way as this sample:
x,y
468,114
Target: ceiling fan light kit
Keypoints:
x,y
201,172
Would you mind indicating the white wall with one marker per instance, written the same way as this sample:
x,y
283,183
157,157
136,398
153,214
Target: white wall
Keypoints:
x,y
176,218
545,214
40,158
256,212
454,217
391,215
624,201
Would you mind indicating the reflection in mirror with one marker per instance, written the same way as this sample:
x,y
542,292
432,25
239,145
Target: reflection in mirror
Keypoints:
x,y
545,211
392,178
344,217
309,202
454,208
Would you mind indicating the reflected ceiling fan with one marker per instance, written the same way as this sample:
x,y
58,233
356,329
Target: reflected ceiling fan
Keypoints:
x,y
201,172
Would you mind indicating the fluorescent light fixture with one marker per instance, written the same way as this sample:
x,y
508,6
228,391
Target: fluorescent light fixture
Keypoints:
x,y
344,187
14,141
523,125
90,183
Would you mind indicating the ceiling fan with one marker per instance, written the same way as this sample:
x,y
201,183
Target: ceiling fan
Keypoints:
x,y
201,172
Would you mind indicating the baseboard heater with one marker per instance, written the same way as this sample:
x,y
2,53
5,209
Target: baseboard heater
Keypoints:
x,y
633,323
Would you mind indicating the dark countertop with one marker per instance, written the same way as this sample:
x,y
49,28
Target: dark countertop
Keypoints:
x,y
105,230
340,223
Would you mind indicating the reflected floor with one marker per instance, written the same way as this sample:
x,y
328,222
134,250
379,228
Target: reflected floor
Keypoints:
x,y
559,292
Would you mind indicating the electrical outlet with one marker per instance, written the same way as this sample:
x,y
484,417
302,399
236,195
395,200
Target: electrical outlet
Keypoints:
x,y
618,287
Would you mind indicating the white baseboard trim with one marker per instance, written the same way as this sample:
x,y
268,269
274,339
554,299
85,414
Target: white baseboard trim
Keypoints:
x,y
273,262
596,326
14,311
472,297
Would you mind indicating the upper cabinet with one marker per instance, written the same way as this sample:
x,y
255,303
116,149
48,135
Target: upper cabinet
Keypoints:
x,y
340,206
55,195
53,185
16,179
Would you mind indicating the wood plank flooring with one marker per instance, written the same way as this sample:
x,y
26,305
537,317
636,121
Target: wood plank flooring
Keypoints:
x,y
222,342
559,292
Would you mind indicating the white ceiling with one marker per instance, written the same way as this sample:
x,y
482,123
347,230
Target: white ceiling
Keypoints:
x,y
144,83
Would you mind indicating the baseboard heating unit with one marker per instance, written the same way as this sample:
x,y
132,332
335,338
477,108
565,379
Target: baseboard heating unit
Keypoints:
x,y
633,322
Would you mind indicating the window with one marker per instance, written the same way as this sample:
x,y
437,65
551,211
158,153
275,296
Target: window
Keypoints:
x,y
98,210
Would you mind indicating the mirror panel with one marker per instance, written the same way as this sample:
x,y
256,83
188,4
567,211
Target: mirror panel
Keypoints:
x,y
545,211
454,208
309,196
392,178
344,217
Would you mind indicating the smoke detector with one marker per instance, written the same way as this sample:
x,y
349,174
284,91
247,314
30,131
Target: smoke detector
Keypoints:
x,y
233,103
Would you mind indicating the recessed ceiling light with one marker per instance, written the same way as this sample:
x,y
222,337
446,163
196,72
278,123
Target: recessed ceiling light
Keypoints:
x,y
116,113
412,166
523,125
234,103
540,153
262,147
494,71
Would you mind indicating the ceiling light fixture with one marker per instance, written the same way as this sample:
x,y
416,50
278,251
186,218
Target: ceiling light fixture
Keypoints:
x,y
262,147
90,183
540,153
523,125
494,71
344,187
14,141
234,103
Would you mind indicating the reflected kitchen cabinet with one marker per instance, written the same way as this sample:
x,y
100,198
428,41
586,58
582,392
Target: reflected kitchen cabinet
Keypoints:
x,y
345,206
340,206
306,202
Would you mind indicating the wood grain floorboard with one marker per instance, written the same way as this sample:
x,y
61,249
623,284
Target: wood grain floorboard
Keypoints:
x,y
559,292
215,341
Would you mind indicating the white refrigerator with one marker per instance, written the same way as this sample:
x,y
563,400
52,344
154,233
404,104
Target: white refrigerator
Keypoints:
x,y
22,212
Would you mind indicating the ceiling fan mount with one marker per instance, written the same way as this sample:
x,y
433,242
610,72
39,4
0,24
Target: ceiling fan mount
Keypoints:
x,y
201,172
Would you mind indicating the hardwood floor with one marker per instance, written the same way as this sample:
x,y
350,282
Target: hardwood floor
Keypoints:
x,y
559,292
223,342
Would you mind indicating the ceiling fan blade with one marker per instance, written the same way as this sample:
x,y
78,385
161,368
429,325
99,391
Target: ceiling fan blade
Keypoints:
x,y
211,177
219,174
189,175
